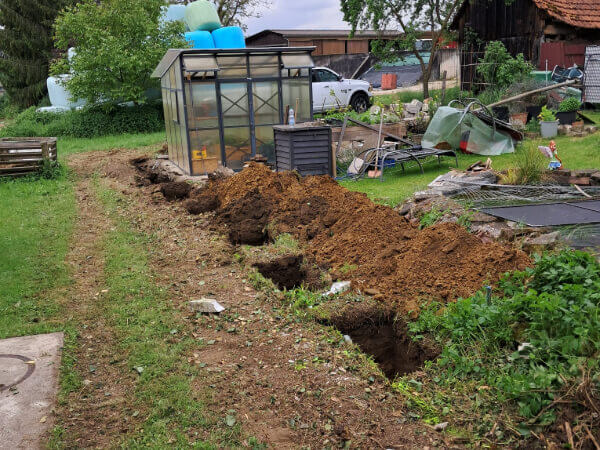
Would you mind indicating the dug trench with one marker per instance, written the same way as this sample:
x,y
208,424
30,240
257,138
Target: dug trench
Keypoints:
x,y
386,338
346,236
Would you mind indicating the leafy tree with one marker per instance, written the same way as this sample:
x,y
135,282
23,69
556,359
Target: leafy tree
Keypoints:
x,y
498,69
412,18
118,44
26,47
233,12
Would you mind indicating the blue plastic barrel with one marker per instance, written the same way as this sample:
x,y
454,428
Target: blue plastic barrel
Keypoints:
x,y
200,39
229,37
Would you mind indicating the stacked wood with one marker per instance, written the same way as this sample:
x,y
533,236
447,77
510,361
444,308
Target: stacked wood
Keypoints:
x,y
22,156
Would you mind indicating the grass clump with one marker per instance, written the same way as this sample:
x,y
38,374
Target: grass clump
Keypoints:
x,y
530,167
535,347
431,217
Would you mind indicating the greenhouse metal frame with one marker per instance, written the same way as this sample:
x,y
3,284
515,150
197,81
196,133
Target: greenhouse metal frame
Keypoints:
x,y
220,104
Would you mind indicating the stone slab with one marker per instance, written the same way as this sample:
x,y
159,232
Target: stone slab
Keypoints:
x,y
29,368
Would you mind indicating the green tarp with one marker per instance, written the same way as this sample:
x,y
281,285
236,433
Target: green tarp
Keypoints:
x,y
447,126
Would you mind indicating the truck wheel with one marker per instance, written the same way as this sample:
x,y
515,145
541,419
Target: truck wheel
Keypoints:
x,y
359,102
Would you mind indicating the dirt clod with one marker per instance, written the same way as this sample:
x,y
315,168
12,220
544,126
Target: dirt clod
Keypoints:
x,y
175,190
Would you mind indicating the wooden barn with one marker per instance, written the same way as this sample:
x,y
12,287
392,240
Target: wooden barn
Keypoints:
x,y
547,32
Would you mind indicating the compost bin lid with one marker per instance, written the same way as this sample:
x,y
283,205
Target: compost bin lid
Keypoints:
x,y
301,127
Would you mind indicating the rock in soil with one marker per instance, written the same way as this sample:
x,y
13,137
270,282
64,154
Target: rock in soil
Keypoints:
x,y
205,305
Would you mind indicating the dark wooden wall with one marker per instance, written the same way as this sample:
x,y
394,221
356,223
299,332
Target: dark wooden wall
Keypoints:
x,y
518,26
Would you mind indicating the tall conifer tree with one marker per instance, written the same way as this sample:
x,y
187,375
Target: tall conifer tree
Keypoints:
x,y
26,47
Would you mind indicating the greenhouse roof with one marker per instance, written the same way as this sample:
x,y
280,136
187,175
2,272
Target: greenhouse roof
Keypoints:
x,y
171,56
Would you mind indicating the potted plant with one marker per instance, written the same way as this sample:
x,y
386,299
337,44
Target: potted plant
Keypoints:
x,y
567,111
548,123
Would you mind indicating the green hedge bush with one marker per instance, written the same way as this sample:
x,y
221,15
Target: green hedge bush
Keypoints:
x,y
88,122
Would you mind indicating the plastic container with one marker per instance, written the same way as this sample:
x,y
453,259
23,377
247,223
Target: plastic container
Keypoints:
x,y
200,39
291,118
59,95
201,15
229,37
549,129
389,81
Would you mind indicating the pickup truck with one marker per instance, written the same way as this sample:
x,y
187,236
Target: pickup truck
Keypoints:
x,y
331,91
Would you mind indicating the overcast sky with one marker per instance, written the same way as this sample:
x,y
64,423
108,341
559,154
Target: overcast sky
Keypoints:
x,y
304,14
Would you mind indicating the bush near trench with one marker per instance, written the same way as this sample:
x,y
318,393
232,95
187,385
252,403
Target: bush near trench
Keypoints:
x,y
535,347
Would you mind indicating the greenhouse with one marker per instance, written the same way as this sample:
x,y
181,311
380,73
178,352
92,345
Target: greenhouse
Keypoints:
x,y
220,105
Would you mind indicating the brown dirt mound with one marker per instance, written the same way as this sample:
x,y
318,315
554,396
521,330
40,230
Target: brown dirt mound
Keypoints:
x,y
176,190
369,244
247,218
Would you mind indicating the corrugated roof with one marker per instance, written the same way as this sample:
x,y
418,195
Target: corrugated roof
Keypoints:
x,y
286,33
580,13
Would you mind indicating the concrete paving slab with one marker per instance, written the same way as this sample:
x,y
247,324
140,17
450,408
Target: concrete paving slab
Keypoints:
x,y
29,368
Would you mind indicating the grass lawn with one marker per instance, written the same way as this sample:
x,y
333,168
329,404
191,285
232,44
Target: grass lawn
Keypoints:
x,y
37,221
576,153
36,226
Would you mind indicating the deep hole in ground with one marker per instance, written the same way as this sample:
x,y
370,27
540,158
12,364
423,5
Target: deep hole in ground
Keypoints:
x,y
286,272
387,340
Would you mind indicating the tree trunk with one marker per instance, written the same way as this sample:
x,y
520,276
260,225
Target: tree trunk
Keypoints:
x,y
426,77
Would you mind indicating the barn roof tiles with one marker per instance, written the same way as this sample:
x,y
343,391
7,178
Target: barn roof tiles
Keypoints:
x,y
581,13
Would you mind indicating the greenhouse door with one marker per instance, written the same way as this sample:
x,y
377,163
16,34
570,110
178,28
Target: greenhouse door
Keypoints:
x,y
236,123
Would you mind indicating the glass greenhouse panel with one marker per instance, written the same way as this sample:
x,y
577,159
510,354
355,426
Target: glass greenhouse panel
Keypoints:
x,y
264,66
206,151
200,63
296,94
265,100
202,105
265,143
232,66
237,147
234,103
297,60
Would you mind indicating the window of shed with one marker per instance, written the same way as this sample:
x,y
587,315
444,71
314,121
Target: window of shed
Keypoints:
x,y
200,63
264,65
232,66
297,60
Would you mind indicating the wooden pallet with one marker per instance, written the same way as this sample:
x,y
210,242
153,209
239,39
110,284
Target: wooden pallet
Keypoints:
x,y
23,156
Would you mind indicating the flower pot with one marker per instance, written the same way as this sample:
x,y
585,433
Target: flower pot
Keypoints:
x,y
549,129
519,119
566,118
533,112
501,112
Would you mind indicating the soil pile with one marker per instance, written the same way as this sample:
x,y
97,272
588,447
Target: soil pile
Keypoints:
x,y
357,240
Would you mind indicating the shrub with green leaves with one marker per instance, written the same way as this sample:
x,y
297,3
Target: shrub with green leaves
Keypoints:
x,y
118,45
532,343
499,69
89,122
569,104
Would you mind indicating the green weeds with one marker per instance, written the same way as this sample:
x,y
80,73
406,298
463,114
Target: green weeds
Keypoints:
x,y
532,346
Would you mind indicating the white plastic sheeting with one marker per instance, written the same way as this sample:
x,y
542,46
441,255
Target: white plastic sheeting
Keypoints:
x,y
59,95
